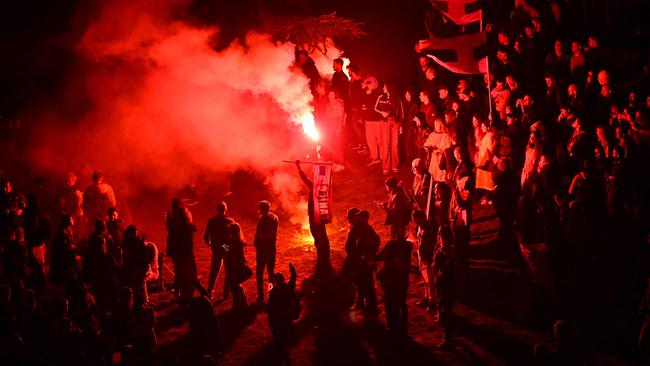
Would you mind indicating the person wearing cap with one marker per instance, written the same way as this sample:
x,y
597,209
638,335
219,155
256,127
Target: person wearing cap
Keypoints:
x,y
97,199
266,235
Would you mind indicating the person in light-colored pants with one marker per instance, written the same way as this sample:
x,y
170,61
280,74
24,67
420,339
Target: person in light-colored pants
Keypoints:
x,y
374,138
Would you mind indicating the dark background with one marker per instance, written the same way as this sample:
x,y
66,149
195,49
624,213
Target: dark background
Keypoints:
x,y
37,37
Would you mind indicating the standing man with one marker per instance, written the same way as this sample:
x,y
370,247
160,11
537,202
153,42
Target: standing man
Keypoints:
x,y
398,208
426,246
317,229
340,81
284,308
355,98
374,137
460,215
97,199
309,68
265,239
216,236
362,253
394,279
180,247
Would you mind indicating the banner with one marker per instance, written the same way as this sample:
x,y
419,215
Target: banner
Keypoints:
x,y
460,11
322,193
465,58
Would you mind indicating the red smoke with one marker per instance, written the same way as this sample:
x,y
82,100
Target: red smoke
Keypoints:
x,y
162,105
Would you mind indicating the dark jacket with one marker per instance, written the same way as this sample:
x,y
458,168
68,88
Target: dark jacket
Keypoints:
x,y
216,233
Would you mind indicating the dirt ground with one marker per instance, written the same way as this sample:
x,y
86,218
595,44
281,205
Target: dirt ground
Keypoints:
x,y
328,333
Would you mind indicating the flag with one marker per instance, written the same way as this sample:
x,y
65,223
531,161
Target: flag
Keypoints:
x,y
460,11
461,54
322,193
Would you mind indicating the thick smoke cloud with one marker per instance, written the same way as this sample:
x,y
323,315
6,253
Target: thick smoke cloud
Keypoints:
x,y
161,105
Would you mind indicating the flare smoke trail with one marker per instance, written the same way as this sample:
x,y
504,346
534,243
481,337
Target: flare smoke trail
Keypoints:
x,y
161,104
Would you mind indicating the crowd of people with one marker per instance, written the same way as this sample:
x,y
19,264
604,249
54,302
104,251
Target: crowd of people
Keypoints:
x,y
549,138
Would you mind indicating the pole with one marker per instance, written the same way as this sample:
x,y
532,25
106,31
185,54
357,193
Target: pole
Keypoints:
x,y
308,162
429,195
487,65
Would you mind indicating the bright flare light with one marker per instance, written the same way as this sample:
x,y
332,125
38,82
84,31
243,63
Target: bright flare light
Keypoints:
x,y
309,126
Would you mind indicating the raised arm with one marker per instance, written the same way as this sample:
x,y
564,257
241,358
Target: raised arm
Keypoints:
x,y
303,176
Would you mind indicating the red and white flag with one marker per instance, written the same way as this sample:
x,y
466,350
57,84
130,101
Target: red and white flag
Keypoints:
x,y
459,54
322,193
459,11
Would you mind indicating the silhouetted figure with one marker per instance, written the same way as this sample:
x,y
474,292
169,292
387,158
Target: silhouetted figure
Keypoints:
x,y
63,263
426,246
100,271
115,228
460,217
204,330
284,307
71,201
237,270
134,325
308,67
394,279
216,237
265,239
97,199
444,281
180,247
317,229
398,208
139,265
361,256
